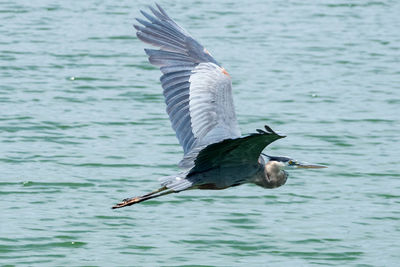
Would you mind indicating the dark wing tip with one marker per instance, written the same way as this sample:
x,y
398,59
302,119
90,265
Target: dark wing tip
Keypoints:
x,y
260,131
268,130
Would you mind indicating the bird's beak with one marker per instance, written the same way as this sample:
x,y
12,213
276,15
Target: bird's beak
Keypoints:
x,y
305,165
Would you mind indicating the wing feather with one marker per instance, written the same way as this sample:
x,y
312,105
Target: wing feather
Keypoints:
x,y
232,152
197,89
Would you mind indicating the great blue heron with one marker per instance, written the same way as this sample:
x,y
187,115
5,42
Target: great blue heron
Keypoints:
x,y
198,94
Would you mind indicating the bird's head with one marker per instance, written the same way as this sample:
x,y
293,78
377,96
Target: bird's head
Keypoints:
x,y
275,173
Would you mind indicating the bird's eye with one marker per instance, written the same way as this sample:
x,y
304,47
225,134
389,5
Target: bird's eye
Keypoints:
x,y
290,162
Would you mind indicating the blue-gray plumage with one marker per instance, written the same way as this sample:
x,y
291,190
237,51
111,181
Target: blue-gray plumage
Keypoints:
x,y
198,94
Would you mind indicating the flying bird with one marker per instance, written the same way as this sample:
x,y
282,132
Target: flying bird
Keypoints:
x,y
198,94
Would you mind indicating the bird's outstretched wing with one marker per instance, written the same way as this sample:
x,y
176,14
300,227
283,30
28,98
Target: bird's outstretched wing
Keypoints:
x,y
197,89
231,152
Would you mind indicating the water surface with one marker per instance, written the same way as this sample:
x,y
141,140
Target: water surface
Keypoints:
x,y
83,125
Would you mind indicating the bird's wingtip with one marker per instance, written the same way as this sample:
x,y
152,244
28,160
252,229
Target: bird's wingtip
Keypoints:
x,y
269,130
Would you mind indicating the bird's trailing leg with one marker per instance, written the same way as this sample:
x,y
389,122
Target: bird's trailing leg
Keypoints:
x,y
130,201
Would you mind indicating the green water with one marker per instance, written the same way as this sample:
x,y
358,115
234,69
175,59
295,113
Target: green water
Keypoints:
x,y
83,125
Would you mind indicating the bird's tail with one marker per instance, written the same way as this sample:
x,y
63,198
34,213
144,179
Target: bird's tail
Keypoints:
x,y
134,200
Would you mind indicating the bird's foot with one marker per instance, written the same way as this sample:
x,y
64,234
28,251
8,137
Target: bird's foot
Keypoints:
x,y
127,202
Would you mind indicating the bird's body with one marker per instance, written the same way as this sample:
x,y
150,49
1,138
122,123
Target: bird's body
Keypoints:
x,y
225,176
198,94
267,176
